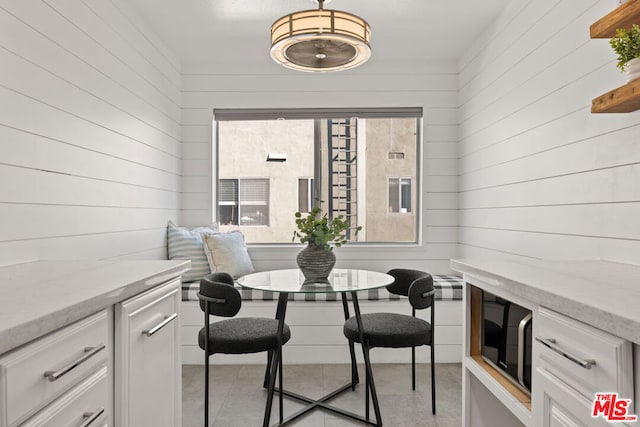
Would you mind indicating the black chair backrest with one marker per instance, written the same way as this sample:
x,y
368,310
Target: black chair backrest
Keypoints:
x,y
421,292
218,293
415,284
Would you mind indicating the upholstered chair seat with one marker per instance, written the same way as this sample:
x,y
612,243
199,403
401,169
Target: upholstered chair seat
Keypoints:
x,y
243,335
391,330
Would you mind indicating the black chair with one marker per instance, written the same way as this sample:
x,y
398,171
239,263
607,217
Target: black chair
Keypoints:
x,y
394,330
219,297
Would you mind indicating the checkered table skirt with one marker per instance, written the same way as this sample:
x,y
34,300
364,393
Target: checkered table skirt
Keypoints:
x,y
447,288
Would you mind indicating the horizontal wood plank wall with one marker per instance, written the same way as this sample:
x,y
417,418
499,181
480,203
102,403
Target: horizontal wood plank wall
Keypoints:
x,y
89,133
432,86
541,177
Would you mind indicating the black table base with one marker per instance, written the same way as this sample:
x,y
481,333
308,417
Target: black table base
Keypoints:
x,y
275,368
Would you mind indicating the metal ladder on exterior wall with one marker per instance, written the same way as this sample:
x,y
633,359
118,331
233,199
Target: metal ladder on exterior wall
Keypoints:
x,y
343,168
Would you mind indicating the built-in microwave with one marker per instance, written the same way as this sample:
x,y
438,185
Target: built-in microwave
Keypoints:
x,y
507,338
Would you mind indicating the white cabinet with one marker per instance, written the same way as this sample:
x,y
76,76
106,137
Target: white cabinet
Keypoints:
x,y
44,382
147,359
490,399
573,357
58,351
574,361
559,404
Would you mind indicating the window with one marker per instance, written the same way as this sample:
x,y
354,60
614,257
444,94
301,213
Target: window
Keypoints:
x,y
243,202
340,158
228,202
400,195
306,194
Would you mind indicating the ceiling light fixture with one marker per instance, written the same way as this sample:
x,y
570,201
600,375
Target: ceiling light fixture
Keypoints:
x,y
320,40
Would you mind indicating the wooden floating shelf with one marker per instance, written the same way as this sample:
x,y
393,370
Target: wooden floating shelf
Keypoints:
x,y
624,16
624,99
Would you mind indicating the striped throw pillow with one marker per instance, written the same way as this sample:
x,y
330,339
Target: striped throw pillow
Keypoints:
x,y
183,243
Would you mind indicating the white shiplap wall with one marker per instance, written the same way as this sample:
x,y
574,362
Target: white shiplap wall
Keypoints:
x,y
432,86
89,133
540,176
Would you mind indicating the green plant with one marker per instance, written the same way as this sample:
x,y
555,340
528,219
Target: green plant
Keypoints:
x,y
626,44
317,229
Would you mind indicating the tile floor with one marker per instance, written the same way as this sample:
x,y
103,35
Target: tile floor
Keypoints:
x,y
237,398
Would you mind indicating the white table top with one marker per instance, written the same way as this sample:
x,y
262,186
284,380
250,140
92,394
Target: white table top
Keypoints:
x,y
292,281
39,297
603,294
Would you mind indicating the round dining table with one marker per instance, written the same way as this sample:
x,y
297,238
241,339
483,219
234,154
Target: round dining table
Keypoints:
x,y
347,283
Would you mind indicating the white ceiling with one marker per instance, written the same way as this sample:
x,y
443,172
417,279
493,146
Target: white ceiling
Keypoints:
x,y
238,30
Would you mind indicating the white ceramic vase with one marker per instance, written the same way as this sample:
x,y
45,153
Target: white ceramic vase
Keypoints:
x,y
633,69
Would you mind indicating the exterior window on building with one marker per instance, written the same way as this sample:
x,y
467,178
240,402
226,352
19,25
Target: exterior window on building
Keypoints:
x,y
306,194
244,201
228,202
254,202
400,195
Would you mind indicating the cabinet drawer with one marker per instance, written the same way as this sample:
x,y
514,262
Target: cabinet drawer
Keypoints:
x,y
586,358
85,405
32,376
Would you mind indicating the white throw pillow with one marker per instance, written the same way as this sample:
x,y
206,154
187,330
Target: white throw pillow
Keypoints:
x,y
227,252
183,243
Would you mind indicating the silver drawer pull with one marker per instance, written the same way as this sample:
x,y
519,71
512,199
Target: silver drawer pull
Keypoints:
x,y
551,343
160,325
90,417
89,353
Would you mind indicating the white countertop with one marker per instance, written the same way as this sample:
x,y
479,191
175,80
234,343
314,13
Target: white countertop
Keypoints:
x,y
39,297
603,294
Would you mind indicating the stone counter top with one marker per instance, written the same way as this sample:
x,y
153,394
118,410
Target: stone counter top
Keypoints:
x,y
603,294
39,297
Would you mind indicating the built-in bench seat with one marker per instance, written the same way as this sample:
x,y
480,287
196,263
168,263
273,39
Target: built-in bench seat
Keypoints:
x,y
448,288
316,329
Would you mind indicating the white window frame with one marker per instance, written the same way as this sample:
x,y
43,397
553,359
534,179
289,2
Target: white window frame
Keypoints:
x,y
376,249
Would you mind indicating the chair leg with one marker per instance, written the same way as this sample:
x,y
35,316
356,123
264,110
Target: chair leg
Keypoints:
x,y
206,390
280,382
206,363
433,380
266,371
366,393
413,368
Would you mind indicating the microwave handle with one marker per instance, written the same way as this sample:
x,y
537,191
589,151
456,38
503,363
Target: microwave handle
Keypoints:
x,y
521,347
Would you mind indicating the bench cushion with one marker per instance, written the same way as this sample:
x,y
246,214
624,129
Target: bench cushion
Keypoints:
x,y
448,288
